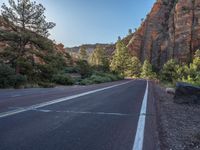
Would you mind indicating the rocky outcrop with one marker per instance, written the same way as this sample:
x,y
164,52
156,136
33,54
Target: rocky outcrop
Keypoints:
x,y
170,30
187,94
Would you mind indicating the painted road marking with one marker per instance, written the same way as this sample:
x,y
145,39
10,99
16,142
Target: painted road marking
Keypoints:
x,y
83,112
20,110
139,138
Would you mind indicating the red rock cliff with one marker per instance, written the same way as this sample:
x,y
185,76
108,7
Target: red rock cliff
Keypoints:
x,y
170,30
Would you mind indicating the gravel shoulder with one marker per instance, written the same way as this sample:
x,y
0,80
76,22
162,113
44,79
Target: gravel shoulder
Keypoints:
x,y
179,125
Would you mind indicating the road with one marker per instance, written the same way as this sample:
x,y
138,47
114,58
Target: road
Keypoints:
x,y
108,118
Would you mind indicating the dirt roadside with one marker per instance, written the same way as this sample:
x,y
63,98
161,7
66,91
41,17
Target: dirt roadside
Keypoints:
x,y
178,125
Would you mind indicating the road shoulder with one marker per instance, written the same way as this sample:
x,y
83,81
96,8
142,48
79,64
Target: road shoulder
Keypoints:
x,y
151,139
179,127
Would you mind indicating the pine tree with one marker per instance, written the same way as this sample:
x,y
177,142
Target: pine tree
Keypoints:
x,y
121,59
28,22
26,15
147,71
99,59
83,55
134,68
130,31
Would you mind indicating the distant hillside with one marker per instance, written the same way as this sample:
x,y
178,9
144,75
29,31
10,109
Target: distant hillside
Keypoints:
x,y
90,48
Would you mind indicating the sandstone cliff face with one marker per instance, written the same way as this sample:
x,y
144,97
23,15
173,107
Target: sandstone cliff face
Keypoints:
x,y
170,30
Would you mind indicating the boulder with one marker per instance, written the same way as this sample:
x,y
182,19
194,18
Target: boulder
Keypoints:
x,y
187,94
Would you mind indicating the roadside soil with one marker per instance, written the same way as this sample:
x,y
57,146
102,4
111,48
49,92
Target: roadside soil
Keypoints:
x,y
178,125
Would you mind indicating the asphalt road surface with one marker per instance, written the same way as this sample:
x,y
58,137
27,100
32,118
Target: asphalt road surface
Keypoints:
x,y
98,117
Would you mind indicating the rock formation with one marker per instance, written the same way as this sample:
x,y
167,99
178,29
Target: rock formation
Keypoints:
x,y
170,30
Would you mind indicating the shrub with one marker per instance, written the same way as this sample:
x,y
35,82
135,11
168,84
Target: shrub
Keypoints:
x,y
71,70
192,73
8,78
99,77
6,73
46,84
194,81
63,79
169,72
84,68
86,81
19,80
45,72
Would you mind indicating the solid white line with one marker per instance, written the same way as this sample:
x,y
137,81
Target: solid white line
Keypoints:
x,y
20,110
139,138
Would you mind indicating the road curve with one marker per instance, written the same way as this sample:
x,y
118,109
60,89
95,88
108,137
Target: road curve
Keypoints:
x,y
103,120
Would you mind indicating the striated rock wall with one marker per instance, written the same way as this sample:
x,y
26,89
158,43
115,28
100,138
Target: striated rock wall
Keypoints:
x,y
170,30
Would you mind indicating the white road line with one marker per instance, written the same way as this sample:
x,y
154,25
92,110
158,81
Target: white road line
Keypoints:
x,y
20,110
139,138
83,112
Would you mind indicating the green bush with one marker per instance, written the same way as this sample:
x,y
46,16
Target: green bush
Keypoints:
x,y
46,84
45,72
86,81
192,73
84,68
169,72
147,71
63,79
194,81
71,70
99,77
8,78
173,71
19,80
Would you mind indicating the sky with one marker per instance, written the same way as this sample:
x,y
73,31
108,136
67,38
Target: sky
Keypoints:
x,y
93,21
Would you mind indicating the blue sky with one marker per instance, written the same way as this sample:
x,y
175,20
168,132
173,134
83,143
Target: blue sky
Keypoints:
x,y
93,21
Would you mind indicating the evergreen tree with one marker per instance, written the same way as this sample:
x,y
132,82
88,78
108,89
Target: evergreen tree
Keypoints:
x,y
28,22
147,71
134,68
26,15
83,55
99,59
130,31
119,38
121,59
